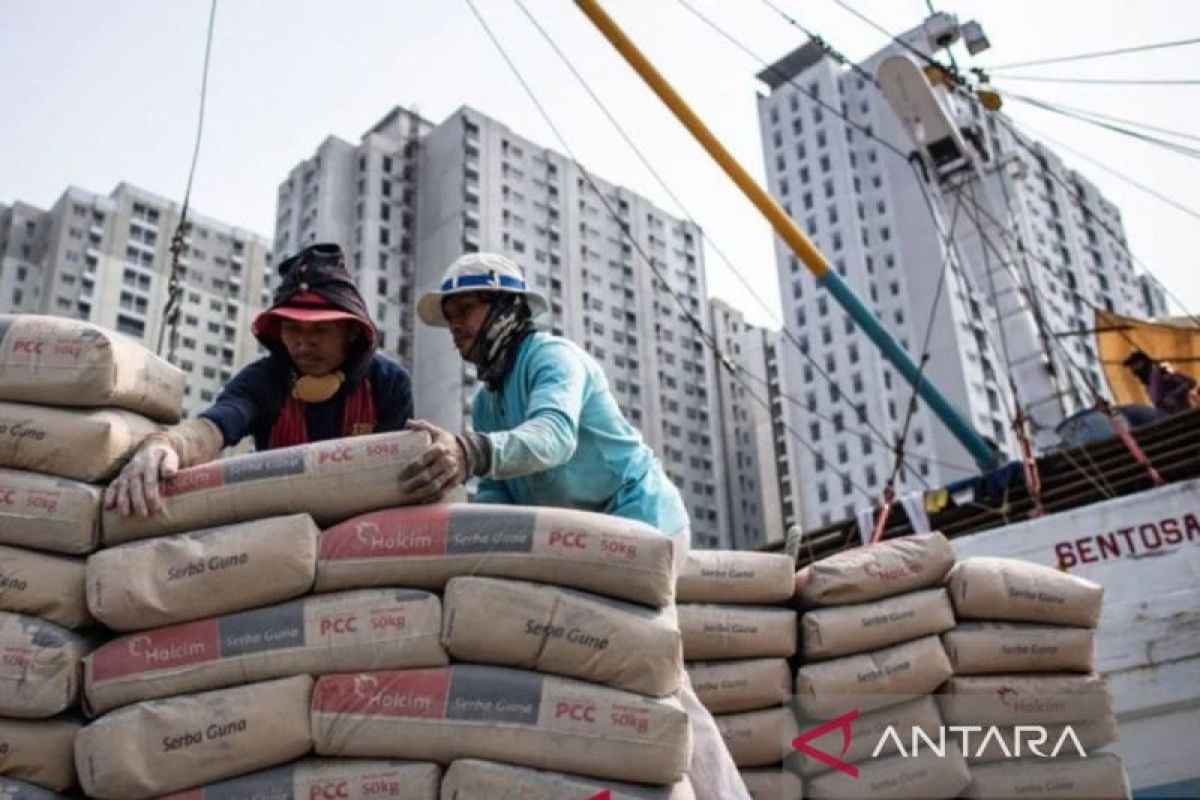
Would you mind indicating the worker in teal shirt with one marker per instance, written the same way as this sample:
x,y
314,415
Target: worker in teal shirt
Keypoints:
x,y
547,432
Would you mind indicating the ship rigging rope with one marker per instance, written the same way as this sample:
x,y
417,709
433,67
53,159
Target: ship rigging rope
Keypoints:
x,y
1174,147
706,339
785,332
1088,113
173,306
1095,54
1105,81
892,148
1021,142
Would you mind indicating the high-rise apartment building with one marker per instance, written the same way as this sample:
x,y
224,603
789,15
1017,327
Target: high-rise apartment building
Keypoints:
x,y
412,197
925,258
757,449
106,259
364,197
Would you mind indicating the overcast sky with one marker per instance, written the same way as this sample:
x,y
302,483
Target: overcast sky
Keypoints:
x,y
100,92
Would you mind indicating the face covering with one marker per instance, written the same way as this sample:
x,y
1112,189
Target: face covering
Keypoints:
x,y
507,323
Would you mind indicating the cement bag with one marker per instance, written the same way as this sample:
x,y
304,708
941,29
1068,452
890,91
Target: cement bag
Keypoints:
x,y
842,630
472,779
728,686
39,751
318,779
871,680
713,633
563,632
771,784
331,480
343,632
87,446
502,714
1024,699
980,648
48,513
1097,778
20,790
55,361
872,732
425,546
46,586
927,776
194,575
736,576
39,671
879,570
758,738
162,746
984,587
1009,743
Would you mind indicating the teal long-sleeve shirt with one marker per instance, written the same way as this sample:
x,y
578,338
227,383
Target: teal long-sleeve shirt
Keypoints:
x,y
558,438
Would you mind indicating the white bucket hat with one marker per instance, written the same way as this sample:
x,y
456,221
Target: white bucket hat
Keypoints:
x,y
478,272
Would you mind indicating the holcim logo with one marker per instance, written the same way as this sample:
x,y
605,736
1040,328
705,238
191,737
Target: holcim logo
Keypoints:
x,y
365,686
1016,742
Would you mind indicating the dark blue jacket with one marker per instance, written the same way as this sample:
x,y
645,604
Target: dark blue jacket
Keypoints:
x,y
251,401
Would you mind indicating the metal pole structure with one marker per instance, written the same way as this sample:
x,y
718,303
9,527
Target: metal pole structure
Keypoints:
x,y
985,456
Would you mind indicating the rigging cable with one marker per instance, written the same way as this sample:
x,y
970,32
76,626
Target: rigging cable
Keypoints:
x,y
1003,120
173,306
1097,54
1105,81
1059,107
1174,147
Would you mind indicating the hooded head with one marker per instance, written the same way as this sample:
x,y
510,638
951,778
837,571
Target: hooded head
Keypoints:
x,y
316,301
1140,365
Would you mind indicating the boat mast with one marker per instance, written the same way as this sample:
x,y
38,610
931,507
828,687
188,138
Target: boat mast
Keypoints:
x,y
984,454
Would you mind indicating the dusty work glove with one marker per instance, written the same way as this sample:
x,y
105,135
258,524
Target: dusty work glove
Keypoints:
x,y
136,489
443,465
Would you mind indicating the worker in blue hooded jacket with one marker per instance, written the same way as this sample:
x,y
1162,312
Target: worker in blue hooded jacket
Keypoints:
x,y
547,431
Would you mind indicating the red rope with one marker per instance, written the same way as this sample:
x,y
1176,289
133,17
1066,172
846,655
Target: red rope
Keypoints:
x,y
889,497
1033,478
1124,434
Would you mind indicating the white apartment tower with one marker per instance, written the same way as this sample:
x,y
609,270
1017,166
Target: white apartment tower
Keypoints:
x,y
868,208
363,197
472,184
105,259
755,445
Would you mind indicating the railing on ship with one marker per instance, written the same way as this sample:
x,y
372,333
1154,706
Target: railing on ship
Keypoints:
x,y
1071,478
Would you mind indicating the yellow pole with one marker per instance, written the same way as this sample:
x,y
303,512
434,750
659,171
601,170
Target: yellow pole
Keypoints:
x,y
779,219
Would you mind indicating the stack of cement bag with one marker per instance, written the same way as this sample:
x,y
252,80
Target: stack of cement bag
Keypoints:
x,y
872,658
566,653
75,400
222,639
1022,655
737,639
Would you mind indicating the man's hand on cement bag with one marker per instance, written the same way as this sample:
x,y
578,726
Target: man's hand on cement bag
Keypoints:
x,y
440,468
136,489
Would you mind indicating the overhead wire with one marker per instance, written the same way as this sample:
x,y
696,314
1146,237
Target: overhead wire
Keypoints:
x,y
169,331
705,336
1095,54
